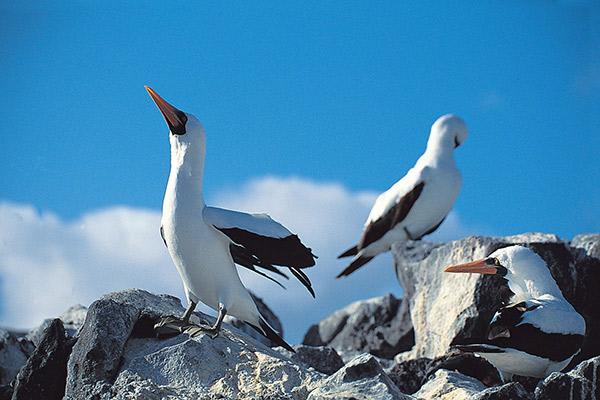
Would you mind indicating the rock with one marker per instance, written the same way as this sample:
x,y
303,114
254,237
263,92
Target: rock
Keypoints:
x,y
467,364
323,359
582,383
115,357
409,375
13,355
379,326
361,378
72,320
6,392
269,316
448,308
45,373
510,391
450,385
589,243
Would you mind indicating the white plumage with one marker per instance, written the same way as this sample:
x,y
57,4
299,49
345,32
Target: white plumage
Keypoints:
x,y
417,204
540,331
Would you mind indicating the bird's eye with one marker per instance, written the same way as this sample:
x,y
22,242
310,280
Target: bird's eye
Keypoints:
x,y
496,262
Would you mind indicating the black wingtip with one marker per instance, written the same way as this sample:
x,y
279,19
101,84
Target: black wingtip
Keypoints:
x,y
352,251
354,265
273,336
303,278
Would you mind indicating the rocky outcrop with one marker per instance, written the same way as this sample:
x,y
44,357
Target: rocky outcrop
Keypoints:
x,y
379,326
44,375
362,378
116,355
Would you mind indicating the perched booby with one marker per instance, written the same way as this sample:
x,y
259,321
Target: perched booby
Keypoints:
x,y
539,332
205,243
418,203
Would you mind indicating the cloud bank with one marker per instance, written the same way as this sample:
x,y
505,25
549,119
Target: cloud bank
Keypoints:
x,y
48,264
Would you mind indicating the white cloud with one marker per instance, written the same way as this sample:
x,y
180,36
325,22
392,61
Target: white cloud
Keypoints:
x,y
48,264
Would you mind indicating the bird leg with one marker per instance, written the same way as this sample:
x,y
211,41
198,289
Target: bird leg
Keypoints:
x,y
408,234
212,331
170,326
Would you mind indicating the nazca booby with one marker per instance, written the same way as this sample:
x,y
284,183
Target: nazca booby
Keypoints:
x,y
539,331
418,203
205,243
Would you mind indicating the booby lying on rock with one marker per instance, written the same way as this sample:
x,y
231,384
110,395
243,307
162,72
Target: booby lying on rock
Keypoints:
x,y
539,332
418,203
205,243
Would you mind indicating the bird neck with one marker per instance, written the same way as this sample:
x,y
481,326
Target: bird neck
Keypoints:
x,y
437,154
186,176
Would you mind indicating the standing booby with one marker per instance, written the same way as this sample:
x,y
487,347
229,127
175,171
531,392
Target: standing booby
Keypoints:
x,y
539,332
418,203
205,243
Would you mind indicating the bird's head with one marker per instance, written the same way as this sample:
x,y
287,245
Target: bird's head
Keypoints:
x,y
525,271
186,131
447,133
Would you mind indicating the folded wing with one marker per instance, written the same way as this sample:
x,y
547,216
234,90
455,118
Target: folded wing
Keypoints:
x,y
258,241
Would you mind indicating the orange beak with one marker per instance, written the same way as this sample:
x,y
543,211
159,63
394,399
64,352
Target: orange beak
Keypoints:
x,y
474,267
175,118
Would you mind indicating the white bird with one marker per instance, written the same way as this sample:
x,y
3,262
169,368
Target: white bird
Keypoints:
x,y
205,243
418,203
539,332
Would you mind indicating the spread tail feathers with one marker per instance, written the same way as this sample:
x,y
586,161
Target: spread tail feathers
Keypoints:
x,y
479,348
352,251
356,263
266,330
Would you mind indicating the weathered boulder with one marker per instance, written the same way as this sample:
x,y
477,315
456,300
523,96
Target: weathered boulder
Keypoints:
x,y
510,391
362,378
581,383
449,385
448,308
14,351
44,375
379,326
324,359
72,320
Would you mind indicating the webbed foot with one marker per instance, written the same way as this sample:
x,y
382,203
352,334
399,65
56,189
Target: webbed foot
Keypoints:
x,y
170,326
195,330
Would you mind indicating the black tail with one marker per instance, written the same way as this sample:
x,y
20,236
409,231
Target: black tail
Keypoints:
x,y
478,348
352,251
301,276
354,265
270,334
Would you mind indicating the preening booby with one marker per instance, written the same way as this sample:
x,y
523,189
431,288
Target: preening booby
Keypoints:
x,y
539,332
418,203
205,243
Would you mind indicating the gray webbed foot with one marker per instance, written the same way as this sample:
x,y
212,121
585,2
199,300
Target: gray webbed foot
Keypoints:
x,y
195,330
170,326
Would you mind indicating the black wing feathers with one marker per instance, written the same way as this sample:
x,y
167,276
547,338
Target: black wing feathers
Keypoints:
x,y
251,249
394,216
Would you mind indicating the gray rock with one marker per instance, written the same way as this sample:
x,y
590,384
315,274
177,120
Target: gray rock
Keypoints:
x,y
72,319
96,356
582,383
448,308
14,352
361,378
379,326
323,359
409,375
510,391
450,385
44,375
266,312
115,357
590,243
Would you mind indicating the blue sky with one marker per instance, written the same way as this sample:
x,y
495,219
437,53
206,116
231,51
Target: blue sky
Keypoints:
x,y
330,92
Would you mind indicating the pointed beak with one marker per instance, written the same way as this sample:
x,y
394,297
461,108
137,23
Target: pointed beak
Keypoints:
x,y
175,118
475,267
